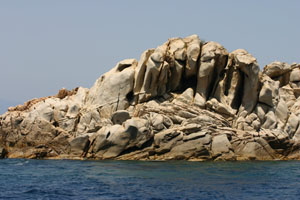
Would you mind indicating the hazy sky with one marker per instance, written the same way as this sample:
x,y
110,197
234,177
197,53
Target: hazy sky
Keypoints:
x,y
47,45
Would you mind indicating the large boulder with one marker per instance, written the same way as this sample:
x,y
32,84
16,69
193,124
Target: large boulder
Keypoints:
x,y
112,141
220,144
193,51
120,116
113,90
247,64
212,62
278,71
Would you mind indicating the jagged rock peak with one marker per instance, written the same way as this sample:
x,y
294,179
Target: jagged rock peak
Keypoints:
x,y
176,65
185,99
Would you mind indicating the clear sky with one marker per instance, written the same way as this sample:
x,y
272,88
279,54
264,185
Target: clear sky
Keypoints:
x,y
47,45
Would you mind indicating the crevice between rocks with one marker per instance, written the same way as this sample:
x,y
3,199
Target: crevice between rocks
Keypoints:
x,y
147,144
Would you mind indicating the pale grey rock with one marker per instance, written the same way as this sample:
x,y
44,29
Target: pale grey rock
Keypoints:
x,y
80,96
45,111
120,116
250,118
112,141
112,89
90,122
186,114
287,94
227,90
254,150
220,144
282,111
73,110
100,139
201,119
163,79
213,61
295,75
256,124
270,122
176,71
186,97
177,54
269,91
296,107
139,130
240,123
140,71
194,136
182,100
276,69
177,48
151,79
79,145
188,149
295,86
219,107
292,124
193,52
248,65
296,136
165,140
190,128
261,110
157,121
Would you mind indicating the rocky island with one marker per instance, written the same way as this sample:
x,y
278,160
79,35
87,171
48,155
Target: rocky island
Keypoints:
x,y
184,100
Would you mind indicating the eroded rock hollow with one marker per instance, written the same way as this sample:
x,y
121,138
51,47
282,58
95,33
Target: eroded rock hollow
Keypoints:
x,y
186,99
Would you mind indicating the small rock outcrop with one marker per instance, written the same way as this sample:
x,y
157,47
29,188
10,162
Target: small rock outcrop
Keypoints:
x,y
184,100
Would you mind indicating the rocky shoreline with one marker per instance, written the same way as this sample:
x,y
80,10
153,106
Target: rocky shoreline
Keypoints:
x,y
184,100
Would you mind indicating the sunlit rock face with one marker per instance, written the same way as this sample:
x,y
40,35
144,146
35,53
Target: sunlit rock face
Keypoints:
x,y
186,99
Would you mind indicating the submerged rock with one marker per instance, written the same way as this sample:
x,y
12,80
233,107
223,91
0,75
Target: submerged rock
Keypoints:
x,y
186,99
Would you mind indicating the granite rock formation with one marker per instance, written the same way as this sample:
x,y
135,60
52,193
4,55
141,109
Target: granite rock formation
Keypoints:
x,y
186,99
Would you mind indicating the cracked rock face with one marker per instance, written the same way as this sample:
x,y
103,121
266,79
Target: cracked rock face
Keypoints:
x,y
186,99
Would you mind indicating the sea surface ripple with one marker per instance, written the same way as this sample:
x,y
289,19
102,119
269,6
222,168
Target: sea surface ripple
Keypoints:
x,y
69,179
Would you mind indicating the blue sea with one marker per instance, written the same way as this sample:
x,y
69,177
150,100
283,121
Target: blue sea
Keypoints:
x,y
69,179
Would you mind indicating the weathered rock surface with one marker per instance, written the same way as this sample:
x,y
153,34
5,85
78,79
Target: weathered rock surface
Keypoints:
x,y
186,99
